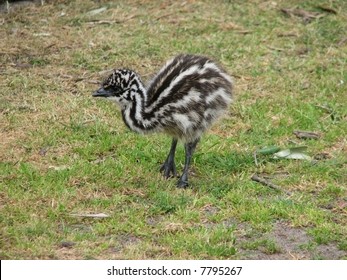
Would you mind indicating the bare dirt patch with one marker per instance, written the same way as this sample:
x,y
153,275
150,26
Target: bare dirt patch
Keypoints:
x,y
293,243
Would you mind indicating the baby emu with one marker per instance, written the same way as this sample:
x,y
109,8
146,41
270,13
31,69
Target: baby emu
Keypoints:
x,y
183,100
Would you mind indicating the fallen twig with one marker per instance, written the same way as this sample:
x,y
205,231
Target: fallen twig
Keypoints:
x,y
117,21
21,65
325,108
288,34
244,32
241,77
327,9
276,49
49,46
306,134
333,114
164,15
267,183
97,215
342,41
307,16
95,21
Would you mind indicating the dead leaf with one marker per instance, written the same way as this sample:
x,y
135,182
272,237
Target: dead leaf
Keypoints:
x,y
59,168
268,150
96,11
322,156
42,34
293,153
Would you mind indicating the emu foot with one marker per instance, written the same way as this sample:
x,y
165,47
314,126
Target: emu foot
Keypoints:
x,y
182,184
183,181
168,169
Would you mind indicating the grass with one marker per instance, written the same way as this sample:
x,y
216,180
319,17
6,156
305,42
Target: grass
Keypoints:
x,y
63,152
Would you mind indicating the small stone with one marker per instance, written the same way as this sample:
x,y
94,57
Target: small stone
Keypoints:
x,y
67,244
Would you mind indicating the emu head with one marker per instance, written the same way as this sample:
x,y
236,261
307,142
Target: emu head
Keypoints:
x,y
118,87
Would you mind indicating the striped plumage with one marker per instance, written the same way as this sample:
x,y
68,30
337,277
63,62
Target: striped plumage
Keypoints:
x,y
183,100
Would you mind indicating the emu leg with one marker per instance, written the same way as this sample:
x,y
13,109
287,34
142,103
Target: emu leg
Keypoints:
x,y
169,167
189,147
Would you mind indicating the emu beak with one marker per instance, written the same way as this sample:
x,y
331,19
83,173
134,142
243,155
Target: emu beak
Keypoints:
x,y
101,92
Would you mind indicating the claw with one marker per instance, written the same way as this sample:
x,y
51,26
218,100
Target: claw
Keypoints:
x,y
168,170
182,184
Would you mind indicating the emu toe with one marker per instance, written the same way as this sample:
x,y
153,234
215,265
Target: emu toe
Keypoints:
x,y
181,184
168,169
183,181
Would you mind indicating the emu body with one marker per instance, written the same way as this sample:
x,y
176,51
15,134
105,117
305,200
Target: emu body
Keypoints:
x,y
183,100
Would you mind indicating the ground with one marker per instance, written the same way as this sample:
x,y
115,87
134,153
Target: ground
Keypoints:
x,y
67,159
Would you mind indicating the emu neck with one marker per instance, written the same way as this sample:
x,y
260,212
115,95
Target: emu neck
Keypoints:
x,y
134,115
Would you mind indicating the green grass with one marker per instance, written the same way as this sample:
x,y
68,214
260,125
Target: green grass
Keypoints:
x,y
64,153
